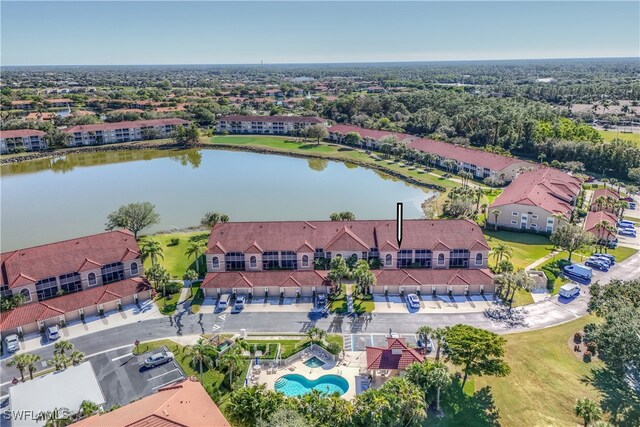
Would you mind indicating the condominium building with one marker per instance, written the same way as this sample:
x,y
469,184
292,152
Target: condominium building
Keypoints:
x,y
83,275
540,200
267,125
109,133
22,139
291,256
370,137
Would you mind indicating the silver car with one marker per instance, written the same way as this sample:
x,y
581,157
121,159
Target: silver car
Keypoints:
x,y
12,343
53,333
158,359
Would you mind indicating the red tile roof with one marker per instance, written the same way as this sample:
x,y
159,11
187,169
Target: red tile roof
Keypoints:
x,y
395,356
69,256
59,100
357,235
371,133
604,192
33,312
183,404
546,188
261,279
20,133
126,125
594,218
21,102
429,276
471,156
287,119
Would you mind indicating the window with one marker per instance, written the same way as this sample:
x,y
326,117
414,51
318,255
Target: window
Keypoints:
x,y
514,222
514,213
478,259
215,262
441,259
46,288
423,257
289,260
112,272
134,268
92,279
387,259
405,258
71,282
534,216
234,261
5,292
270,260
305,260
459,258
373,253
534,226
26,294
253,262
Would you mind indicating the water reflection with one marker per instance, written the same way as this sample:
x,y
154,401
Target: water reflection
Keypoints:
x,y
318,164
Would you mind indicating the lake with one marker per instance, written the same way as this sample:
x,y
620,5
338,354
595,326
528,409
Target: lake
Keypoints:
x,y
47,200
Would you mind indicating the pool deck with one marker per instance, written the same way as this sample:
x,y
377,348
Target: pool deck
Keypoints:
x,y
347,367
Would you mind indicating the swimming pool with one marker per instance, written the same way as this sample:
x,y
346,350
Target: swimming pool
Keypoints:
x,y
297,385
314,362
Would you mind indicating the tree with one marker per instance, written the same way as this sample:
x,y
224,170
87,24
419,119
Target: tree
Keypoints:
x,y
133,217
399,402
58,417
57,138
316,334
477,351
317,132
59,361
76,357
363,277
231,362
190,276
509,282
342,216
88,408
634,175
248,405
201,355
21,362
424,332
353,138
439,335
571,237
500,251
152,249
187,135
496,214
159,276
211,219
338,271
63,346
283,417
195,250
588,410
440,378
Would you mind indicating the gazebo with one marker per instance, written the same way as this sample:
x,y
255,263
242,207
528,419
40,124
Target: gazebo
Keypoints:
x,y
390,360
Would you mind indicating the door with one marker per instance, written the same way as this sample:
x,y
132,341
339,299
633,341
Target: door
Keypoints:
x,y
523,221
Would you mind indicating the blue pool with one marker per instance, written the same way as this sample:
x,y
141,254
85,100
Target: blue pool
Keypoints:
x,y
314,362
297,385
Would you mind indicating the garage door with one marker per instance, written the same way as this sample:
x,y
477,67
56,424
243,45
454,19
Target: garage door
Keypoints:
x,y
474,289
290,292
308,291
274,291
458,289
441,289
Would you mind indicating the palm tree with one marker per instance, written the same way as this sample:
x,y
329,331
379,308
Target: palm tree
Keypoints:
x,y
20,361
211,219
88,408
439,335
496,213
200,354
59,417
152,249
588,410
439,376
424,332
231,360
501,250
76,358
316,334
599,202
195,250
31,364
62,346
541,157
59,361
190,276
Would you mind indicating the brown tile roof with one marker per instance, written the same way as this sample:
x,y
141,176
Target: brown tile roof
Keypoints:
x,y
33,312
40,116
20,133
594,218
59,100
395,356
69,256
260,279
287,119
126,125
604,192
546,188
357,235
371,133
184,404
472,156
429,276
21,102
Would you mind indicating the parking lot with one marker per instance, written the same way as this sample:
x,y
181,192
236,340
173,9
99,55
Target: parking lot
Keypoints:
x,y
123,377
442,303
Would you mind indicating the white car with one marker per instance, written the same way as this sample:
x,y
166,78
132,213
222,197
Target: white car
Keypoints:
x,y
158,359
239,304
12,343
413,301
53,333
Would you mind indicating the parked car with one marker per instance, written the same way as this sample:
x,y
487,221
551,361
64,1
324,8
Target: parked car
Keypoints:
x,y
12,343
611,258
629,232
428,345
627,199
612,244
158,359
626,224
578,270
413,301
53,332
321,300
223,302
632,206
239,304
597,264
604,260
569,290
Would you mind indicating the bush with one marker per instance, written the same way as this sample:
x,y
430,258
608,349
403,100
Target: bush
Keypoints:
x,y
587,356
334,348
592,347
174,241
577,337
365,297
172,288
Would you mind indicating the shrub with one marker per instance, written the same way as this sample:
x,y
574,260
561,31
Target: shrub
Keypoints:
x,y
592,347
577,337
365,297
334,348
587,356
174,241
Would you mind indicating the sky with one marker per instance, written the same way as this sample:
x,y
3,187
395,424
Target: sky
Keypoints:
x,y
164,32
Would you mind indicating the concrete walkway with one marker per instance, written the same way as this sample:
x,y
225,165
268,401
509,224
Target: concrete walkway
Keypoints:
x,y
541,260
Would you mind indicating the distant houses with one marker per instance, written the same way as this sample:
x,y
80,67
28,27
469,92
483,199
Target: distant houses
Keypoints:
x,y
266,125
109,133
22,139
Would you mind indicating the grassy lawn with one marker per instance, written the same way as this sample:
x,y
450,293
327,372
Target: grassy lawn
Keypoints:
x,y
211,377
545,380
168,306
526,247
175,260
610,135
290,346
198,297
363,306
338,152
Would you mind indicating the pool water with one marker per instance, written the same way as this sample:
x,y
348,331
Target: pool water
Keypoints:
x,y
314,362
297,385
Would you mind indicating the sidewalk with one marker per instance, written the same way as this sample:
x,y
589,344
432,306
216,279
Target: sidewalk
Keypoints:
x,y
112,319
541,260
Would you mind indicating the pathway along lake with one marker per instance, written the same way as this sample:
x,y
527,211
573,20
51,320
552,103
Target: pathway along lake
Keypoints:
x,y
47,200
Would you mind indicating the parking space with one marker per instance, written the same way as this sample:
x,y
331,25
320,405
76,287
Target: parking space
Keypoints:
x,y
443,303
123,377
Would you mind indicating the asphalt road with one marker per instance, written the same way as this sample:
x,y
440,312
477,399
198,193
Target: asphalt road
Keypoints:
x,y
535,316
